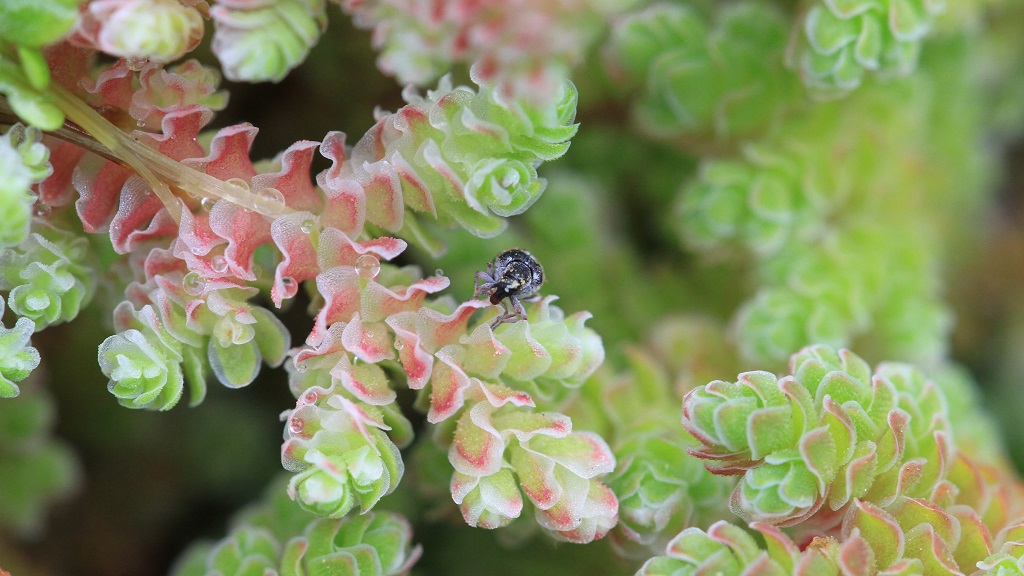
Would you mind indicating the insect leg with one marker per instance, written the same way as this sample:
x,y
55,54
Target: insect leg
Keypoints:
x,y
481,288
509,316
520,311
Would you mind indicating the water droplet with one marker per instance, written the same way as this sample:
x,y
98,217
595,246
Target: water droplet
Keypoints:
x,y
269,200
439,272
207,203
42,210
136,64
370,334
289,284
237,183
367,266
310,397
295,426
193,283
219,264
307,226
399,344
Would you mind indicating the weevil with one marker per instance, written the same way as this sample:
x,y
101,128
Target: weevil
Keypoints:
x,y
514,276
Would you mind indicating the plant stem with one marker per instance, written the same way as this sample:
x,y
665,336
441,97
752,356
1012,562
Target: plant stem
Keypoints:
x,y
89,129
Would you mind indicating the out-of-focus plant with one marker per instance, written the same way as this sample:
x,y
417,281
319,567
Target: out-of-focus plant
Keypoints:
x,y
749,182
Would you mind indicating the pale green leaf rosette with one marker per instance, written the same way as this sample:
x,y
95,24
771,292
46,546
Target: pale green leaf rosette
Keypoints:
x,y
340,453
778,320
276,512
535,363
277,537
724,549
556,468
550,357
372,544
849,284
837,258
491,381
915,538
241,334
48,276
662,489
507,187
246,551
155,30
808,444
560,476
845,40
259,42
464,157
723,79
24,161
17,358
208,325
525,50
143,362
759,204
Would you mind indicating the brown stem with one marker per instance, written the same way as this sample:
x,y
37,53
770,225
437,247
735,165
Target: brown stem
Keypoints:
x,y
69,132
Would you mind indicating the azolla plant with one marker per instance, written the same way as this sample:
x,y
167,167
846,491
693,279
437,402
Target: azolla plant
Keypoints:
x,y
751,183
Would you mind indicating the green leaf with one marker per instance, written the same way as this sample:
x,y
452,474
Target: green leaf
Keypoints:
x,y
236,365
827,33
848,8
271,337
29,104
35,67
36,23
869,44
194,368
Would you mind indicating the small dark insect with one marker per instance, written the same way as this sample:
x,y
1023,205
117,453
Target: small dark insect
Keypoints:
x,y
516,275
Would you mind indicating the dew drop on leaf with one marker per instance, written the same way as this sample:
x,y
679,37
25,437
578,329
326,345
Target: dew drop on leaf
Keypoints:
x,y
237,183
207,203
193,283
307,226
136,64
367,266
269,200
219,264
